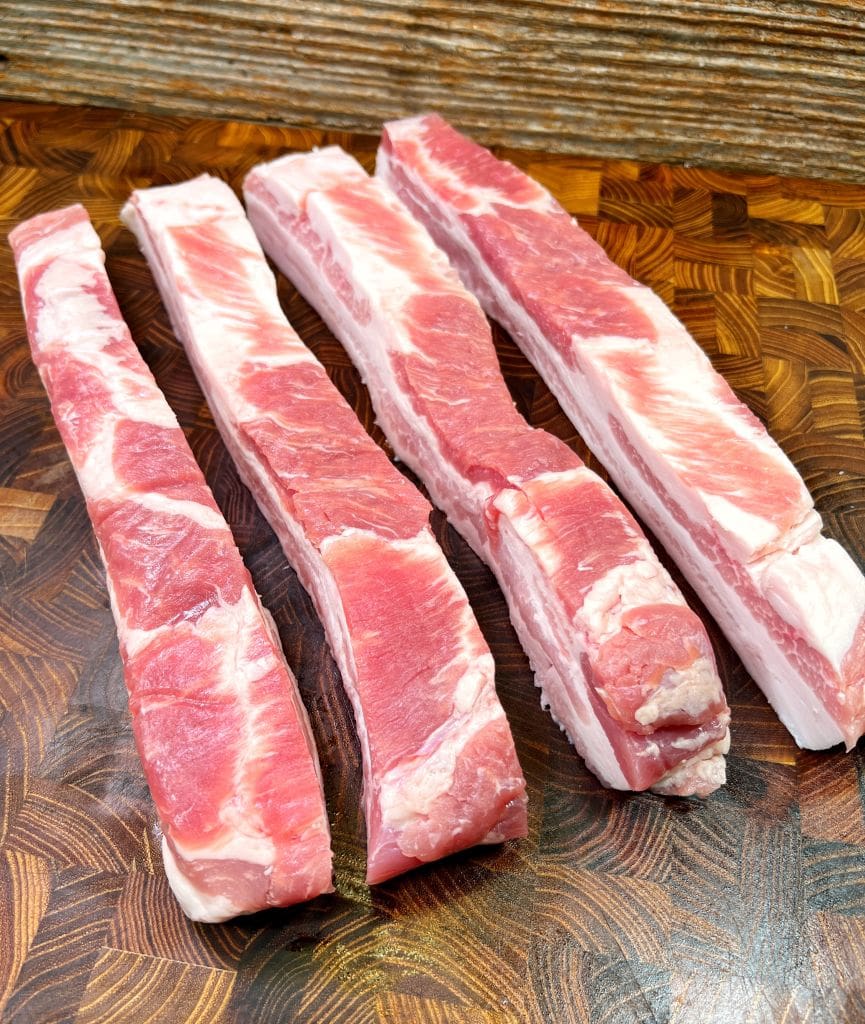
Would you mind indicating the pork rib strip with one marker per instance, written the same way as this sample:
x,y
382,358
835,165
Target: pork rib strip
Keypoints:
x,y
696,464
440,768
625,666
223,737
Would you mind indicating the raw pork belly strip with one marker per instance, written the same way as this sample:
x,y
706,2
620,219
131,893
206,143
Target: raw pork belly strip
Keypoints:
x,y
697,465
440,769
222,734
626,667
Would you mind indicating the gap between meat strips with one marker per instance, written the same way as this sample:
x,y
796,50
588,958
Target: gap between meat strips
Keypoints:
x,y
440,768
625,666
223,737
696,464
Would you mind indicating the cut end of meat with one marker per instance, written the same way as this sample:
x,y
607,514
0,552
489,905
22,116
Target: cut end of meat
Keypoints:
x,y
466,792
449,157
659,671
441,772
211,889
45,227
647,680
386,859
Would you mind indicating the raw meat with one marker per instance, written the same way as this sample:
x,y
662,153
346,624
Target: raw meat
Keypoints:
x,y
222,734
626,667
696,464
440,769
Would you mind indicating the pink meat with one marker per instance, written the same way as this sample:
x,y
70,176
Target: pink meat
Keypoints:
x,y
440,769
696,464
222,734
625,666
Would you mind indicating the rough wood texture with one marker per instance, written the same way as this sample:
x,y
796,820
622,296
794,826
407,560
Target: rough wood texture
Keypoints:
x,y
751,85
748,907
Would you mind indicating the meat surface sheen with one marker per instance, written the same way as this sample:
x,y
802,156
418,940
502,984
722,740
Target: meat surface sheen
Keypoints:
x,y
440,768
223,737
692,459
625,666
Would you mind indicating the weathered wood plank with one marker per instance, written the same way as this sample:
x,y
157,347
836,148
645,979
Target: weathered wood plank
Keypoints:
x,y
752,85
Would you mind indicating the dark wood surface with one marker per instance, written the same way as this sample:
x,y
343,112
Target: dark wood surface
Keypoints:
x,y
749,907
753,85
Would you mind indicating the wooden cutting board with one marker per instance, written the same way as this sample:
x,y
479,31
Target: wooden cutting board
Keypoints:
x,y
749,906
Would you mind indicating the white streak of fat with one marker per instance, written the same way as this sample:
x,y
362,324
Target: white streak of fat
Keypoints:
x,y
623,588
483,199
819,590
692,690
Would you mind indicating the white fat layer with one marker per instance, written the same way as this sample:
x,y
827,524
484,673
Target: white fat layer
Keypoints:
x,y
196,904
238,842
693,691
531,530
478,199
827,614
732,521
796,704
551,643
162,504
205,334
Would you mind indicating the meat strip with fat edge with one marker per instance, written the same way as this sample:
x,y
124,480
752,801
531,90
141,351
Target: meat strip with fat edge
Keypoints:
x,y
699,468
223,737
440,768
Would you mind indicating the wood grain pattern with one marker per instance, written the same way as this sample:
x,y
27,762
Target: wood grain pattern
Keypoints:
x,y
748,907
754,85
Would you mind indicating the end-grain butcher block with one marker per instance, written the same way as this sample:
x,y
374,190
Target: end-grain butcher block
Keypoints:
x,y
697,465
440,769
223,737
625,666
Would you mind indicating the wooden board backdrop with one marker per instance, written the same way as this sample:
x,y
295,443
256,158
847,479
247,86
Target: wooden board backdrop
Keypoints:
x,y
747,907
753,84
